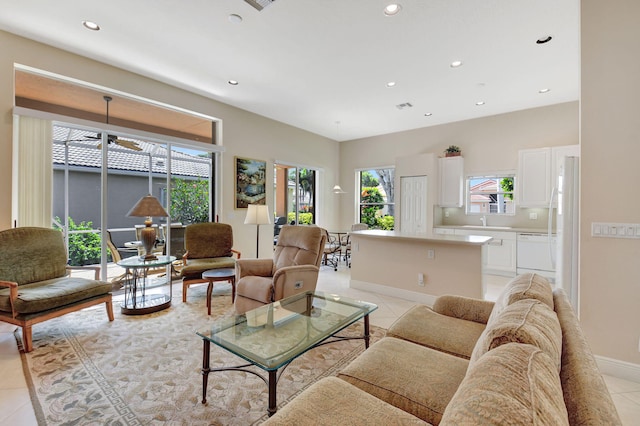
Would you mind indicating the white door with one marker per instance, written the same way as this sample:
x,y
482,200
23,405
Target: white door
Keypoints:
x,y
413,204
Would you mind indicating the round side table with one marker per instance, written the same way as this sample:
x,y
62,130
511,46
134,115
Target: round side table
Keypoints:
x,y
136,301
222,274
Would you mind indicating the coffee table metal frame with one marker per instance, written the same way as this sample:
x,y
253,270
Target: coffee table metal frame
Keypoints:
x,y
280,332
136,301
217,275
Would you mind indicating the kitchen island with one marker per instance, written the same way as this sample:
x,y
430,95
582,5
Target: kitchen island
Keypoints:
x,y
417,267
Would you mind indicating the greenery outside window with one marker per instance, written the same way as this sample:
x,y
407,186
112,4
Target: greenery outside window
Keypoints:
x,y
491,194
376,203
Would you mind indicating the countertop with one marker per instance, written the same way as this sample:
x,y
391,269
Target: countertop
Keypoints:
x,y
496,228
432,238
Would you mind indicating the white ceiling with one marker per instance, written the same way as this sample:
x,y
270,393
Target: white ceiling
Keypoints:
x,y
314,64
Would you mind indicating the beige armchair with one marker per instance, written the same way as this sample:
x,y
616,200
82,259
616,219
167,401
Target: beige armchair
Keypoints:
x,y
293,269
34,281
208,246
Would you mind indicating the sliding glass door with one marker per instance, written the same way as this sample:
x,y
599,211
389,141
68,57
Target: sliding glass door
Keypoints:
x,y
86,194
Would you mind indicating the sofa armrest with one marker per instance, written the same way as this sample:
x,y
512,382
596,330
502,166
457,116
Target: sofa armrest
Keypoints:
x,y
291,280
13,294
254,267
96,270
465,308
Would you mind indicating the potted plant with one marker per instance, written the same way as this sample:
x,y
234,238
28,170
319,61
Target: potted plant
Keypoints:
x,y
452,151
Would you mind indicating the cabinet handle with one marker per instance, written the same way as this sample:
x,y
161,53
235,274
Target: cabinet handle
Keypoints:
x,y
495,242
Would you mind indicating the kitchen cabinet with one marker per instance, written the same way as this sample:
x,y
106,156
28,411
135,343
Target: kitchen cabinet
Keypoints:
x,y
534,177
499,255
451,170
538,171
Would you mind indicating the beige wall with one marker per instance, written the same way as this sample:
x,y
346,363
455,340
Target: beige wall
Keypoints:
x,y
488,144
245,134
610,143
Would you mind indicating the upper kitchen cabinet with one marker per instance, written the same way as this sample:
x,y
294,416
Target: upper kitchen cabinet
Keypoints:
x,y
451,181
534,177
538,171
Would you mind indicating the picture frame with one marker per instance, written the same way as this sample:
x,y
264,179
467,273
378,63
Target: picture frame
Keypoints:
x,y
250,182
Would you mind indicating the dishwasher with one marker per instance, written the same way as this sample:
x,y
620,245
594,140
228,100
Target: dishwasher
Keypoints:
x,y
534,254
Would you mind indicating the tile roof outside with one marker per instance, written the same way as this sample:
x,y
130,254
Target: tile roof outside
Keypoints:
x,y
84,153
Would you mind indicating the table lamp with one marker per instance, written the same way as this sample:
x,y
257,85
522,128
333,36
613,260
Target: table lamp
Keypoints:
x,y
257,215
148,206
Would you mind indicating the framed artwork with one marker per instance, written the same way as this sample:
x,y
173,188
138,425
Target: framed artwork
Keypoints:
x,y
250,182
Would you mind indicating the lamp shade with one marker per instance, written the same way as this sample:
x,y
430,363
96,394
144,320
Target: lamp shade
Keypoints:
x,y
257,215
148,206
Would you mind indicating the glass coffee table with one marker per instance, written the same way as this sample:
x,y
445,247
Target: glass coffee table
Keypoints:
x,y
273,335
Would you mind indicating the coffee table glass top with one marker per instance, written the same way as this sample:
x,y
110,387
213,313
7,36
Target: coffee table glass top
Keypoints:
x,y
137,262
273,335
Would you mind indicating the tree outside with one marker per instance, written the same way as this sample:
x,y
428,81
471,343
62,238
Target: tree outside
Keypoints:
x,y
84,248
189,201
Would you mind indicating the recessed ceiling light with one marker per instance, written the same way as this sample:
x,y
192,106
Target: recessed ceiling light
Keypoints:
x,y
233,82
91,25
391,84
428,114
236,19
455,64
480,103
543,40
544,90
392,9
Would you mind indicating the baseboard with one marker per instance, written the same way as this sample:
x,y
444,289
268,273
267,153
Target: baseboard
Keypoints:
x,y
413,296
620,369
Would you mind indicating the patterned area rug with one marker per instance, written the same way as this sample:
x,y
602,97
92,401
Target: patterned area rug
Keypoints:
x,y
145,370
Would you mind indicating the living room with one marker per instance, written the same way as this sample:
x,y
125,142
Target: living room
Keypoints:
x,y
602,119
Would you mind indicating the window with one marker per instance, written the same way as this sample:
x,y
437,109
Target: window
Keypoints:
x,y
376,200
490,194
295,195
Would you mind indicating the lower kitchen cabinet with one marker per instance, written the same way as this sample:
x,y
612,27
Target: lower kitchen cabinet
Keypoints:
x,y
499,254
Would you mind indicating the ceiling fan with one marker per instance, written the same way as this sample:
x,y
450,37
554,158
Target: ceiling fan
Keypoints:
x,y
111,139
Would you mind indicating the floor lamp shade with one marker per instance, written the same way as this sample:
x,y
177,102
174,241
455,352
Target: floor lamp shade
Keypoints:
x,y
148,206
257,214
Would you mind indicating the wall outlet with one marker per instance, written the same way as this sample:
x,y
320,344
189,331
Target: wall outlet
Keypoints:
x,y
446,214
533,216
431,254
421,279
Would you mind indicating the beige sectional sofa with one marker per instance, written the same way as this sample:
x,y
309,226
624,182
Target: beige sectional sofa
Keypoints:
x,y
520,360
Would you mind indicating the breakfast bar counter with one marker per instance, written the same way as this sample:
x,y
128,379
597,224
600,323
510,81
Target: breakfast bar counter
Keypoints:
x,y
417,267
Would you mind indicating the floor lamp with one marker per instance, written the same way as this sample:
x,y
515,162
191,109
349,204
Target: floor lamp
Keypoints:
x,y
257,215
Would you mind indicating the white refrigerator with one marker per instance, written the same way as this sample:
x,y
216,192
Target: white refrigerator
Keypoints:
x,y
568,229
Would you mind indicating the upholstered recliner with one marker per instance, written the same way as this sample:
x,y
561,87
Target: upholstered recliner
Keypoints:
x,y
34,281
293,269
208,246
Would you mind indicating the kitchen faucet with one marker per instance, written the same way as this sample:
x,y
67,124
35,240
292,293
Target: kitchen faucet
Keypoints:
x,y
483,219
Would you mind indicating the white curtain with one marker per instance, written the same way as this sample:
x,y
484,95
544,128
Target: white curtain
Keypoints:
x,y
33,172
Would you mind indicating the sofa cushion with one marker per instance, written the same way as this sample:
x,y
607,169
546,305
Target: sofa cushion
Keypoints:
x,y
525,321
208,240
421,325
31,254
514,383
416,379
52,294
522,287
332,401
195,267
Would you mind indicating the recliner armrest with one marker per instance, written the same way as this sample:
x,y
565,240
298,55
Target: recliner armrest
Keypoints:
x,y
291,280
465,308
255,267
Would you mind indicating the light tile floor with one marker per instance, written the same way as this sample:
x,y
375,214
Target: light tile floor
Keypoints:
x,y
15,403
